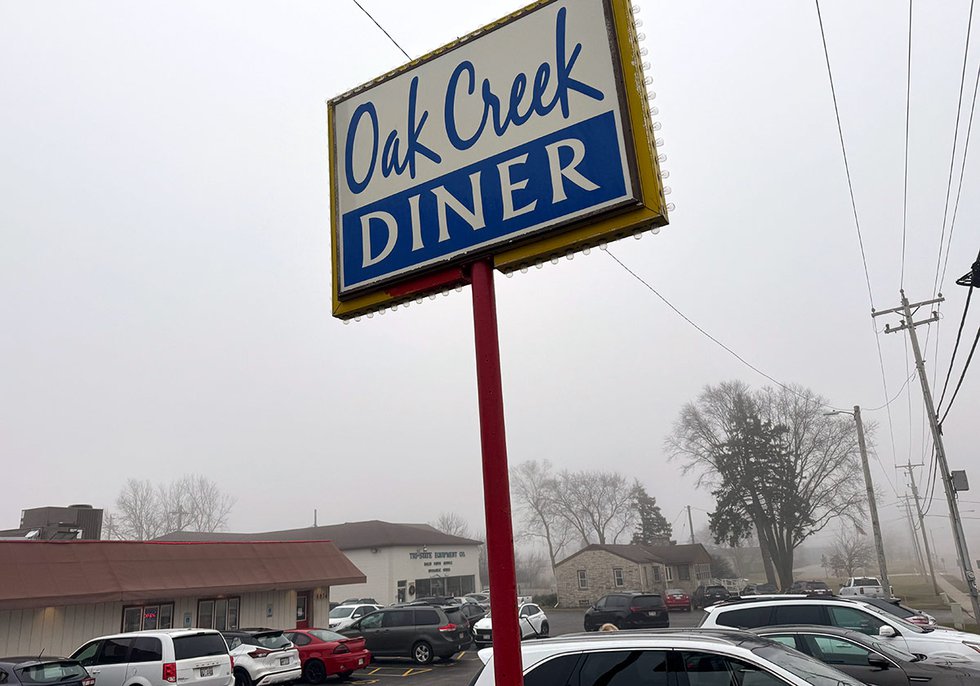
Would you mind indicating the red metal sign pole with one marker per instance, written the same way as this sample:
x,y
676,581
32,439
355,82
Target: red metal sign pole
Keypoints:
x,y
496,482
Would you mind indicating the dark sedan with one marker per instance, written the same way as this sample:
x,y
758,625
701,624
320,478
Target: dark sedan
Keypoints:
x,y
868,659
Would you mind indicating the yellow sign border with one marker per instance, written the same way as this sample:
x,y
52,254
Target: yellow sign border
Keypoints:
x,y
590,233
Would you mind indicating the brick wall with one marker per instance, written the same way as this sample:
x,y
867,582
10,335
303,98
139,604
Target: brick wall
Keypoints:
x,y
599,566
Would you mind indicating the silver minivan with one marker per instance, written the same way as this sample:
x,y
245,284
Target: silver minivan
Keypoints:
x,y
192,657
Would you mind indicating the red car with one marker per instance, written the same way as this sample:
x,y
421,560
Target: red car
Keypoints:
x,y
323,652
677,599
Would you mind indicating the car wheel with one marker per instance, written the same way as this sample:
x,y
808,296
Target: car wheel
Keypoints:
x,y
422,653
242,678
545,629
314,671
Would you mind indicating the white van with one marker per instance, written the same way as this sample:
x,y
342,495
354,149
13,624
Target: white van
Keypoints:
x,y
192,657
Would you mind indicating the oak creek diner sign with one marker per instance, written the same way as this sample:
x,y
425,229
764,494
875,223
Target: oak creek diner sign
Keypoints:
x,y
527,139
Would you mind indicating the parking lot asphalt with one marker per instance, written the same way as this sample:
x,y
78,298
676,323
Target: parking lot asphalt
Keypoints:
x,y
397,672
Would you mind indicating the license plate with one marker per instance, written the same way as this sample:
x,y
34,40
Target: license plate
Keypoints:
x,y
652,613
284,661
360,661
207,671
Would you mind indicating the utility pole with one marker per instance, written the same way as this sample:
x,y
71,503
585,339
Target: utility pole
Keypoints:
x,y
920,565
959,538
872,504
922,524
690,523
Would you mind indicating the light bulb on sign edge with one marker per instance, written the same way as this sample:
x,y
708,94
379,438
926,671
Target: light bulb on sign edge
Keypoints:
x,y
643,52
432,296
651,95
459,289
655,230
638,235
664,174
445,294
641,36
654,111
394,307
370,315
554,260
638,23
645,65
539,264
510,275
603,246
418,301
635,9
657,126
570,256
586,251
347,322
648,80
668,190
357,318
670,207
661,158
659,142
524,270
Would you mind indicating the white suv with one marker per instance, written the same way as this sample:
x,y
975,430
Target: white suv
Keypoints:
x,y
263,656
192,657
660,657
954,646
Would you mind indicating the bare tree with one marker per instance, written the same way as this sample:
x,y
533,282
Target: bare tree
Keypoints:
x,y
191,503
598,506
139,515
778,465
851,552
535,500
451,523
530,567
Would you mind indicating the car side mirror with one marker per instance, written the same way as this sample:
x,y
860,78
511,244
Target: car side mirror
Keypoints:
x,y
886,632
878,661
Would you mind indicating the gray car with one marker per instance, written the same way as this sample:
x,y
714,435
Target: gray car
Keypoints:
x,y
421,633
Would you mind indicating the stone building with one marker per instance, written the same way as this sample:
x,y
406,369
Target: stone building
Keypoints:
x,y
597,569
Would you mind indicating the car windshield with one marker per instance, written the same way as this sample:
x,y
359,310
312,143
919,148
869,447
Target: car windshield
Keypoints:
x,y
271,639
805,667
716,589
866,581
675,591
51,672
325,635
341,612
645,601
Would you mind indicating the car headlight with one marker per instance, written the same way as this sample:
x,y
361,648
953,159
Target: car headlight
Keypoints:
x,y
970,644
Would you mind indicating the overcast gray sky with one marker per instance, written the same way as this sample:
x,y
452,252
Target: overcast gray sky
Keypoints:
x,y
165,276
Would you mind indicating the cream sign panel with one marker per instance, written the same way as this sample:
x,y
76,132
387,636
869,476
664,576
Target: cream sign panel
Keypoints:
x,y
504,136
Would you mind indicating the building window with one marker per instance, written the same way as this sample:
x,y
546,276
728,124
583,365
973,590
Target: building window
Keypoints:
x,y
148,617
218,613
656,573
670,573
684,572
583,580
618,577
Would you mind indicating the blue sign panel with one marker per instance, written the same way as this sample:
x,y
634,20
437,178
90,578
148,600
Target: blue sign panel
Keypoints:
x,y
508,195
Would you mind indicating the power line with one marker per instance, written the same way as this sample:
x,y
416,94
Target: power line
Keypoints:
x,y
382,30
709,336
881,407
952,154
959,333
959,383
857,222
905,197
843,149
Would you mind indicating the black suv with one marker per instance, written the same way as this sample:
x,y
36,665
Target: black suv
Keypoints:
x,y
418,632
628,610
814,589
708,595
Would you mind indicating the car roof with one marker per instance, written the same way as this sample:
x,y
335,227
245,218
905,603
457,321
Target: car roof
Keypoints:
x,y
20,660
173,633
810,628
719,637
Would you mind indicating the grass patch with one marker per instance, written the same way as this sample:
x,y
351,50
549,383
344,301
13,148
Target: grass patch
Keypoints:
x,y
917,592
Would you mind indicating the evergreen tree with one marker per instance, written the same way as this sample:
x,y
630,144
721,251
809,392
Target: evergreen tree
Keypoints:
x,y
652,527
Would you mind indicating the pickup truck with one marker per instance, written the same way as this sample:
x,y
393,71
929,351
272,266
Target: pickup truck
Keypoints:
x,y
863,586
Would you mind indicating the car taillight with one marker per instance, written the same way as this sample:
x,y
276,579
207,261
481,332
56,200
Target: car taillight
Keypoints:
x,y
637,609
448,628
88,681
232,659
170,672
342,648
259,652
